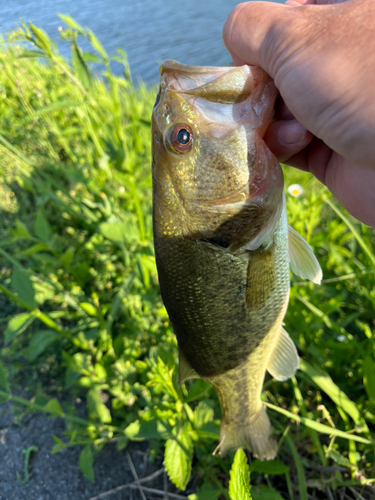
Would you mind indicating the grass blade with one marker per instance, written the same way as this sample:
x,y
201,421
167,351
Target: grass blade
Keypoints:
x,y
316,426
324,382
300,470
356,235
326,319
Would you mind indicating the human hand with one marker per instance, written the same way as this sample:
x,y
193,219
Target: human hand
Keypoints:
x,y
321,55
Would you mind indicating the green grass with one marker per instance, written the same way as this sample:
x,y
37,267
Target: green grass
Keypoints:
x,y
81,310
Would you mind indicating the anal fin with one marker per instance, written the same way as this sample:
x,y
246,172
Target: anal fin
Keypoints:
x,y
284,360
185,371
302,259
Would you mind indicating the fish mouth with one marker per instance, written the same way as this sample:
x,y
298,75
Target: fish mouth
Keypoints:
x,y
239,198
170,65
218,84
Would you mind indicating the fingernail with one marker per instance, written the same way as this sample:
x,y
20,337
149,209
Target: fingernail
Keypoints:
x,y
291,132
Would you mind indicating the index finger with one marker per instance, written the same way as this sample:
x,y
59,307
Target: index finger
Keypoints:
x,y
254,33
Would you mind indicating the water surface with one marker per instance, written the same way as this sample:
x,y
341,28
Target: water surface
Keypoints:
x,y
149,31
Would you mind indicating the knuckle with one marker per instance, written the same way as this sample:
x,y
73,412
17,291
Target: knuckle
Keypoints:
x,y
233,22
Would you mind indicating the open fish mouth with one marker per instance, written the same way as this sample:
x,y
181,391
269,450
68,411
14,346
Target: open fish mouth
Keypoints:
x,y
213,90
217,94
218,84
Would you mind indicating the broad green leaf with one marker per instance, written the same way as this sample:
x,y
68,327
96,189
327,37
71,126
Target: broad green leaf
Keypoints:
x,y
21,230
97,45
4,383
88,308
30,54
317,426
189,413
210,430
72,23
67,257
268,467
41,227
56,448
148,429
23,287
86,461
205,495
100,371
200,387
80,68
178,457
339,459
114,231
239,483
203,413
17,325
8,241
369,377
324,382
98,409
46,291
53,408
263,493
91,58
77,362
40,341
38,247
42,39
122,443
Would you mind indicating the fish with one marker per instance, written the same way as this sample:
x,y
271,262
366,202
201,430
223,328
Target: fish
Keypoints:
x,y
223,246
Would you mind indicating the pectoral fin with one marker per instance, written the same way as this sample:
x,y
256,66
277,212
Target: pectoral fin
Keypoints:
x,y
302,259
284,360
260,277
185,371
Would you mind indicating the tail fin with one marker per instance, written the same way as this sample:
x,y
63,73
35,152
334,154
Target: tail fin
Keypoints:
x,y
255,434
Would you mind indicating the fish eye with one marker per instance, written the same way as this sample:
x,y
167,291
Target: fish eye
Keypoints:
x,y
181,138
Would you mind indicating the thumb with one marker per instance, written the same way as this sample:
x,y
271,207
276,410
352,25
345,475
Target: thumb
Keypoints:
x,y
260,33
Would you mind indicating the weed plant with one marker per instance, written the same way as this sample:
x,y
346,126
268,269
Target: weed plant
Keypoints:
x,y
81,310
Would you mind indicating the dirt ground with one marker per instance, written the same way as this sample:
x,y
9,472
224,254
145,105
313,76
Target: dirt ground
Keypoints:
x,y
58,477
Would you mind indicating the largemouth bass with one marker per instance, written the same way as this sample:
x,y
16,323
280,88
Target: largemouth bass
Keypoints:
x,y
222,243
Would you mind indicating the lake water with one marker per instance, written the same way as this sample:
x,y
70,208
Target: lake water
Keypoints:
x,y
149,31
